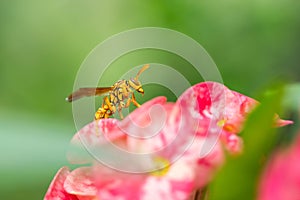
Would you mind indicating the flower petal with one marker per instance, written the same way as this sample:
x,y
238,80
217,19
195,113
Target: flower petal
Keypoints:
x,y
149,115
219,104
202,97
216,102
113,184
233,143
281,178
56,190
142,113
92,135
280,122
81,182
205,156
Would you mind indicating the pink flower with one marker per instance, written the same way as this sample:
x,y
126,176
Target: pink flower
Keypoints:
x,y
161,150
214,105
281,178
172,167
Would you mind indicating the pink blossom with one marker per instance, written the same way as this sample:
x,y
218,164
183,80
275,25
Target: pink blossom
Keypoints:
x,y
214,105
176,169
281,178
161,150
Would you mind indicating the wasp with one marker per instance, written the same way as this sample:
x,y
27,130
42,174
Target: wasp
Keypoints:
x,y
120,95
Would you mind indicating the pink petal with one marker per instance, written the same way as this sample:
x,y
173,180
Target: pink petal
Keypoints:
x,y
280,122
201,97
213,101
171,140
81,182
154,136
160,128
56,190
161,188
105,131
92,135
281,178
246,104
142,113
93,132
177,184
204,157
113,184
148,116
233,143
207,166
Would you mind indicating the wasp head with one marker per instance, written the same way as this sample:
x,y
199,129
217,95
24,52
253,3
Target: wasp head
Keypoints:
x,y
136,85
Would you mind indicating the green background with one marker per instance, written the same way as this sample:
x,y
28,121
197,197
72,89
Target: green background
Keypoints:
x,y
43,43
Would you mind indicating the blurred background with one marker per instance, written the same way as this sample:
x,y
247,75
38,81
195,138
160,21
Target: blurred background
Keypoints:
x,y
43,44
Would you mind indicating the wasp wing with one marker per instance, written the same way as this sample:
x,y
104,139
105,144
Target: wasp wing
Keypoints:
x,y
87,92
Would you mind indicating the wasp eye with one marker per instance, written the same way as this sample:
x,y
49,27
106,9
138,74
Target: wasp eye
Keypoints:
x,y
134,81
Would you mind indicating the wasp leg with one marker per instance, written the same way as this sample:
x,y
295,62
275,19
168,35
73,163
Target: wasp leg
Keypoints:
x,y
107,115
134,101
100,114
106,109
107,102
120,111
120,114
127,103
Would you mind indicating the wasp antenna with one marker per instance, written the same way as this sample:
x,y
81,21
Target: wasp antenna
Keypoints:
x,y
141,71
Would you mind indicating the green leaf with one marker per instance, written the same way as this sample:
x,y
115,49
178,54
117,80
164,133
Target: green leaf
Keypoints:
x,y
238,178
